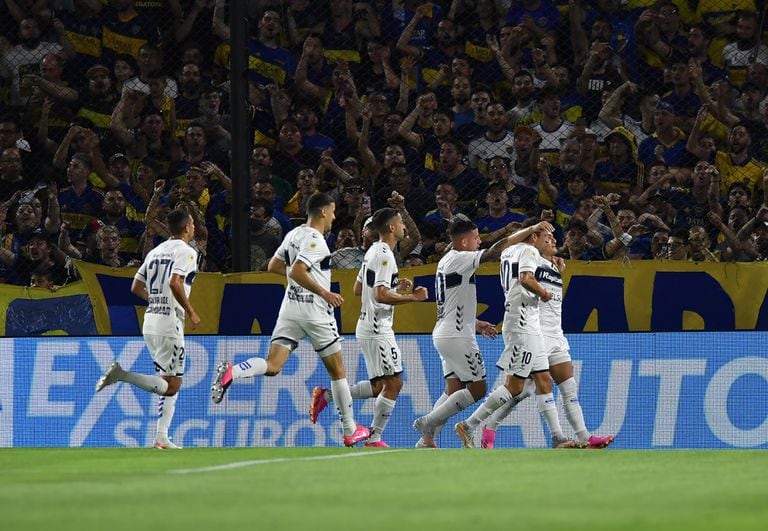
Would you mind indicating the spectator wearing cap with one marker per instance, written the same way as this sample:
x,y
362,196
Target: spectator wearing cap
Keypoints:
x,y
499,219
747,48
79,202
306,118
99,99
620,172
590,150
668,142
36,256
734,165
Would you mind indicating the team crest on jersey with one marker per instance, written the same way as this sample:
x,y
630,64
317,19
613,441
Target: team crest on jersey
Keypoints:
x,y
312,245
384,263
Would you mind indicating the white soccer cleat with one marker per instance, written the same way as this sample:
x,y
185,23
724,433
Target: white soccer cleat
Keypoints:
x,y
427,439
164,443
109,377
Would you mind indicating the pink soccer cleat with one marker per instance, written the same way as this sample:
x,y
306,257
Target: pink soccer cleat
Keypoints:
x,y
377,444
489,438
360,434
319,403
597,442
222,382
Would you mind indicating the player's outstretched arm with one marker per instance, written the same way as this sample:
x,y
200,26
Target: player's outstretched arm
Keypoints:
x,y
299,273
385,295
494,251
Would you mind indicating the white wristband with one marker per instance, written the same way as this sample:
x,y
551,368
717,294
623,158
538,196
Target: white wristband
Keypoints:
x,y
626,239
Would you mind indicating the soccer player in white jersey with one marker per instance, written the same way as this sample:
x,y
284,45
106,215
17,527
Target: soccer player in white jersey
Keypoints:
x,y
523,354
306,311
558,351
454,333
377,283
164,280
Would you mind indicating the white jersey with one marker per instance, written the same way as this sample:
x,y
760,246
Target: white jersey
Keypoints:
x,y
164,315
552,140
521,307
550,312
480,150
307,245
456,294
379,269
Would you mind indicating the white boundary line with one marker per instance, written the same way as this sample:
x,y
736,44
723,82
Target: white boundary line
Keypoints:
x,y
243,464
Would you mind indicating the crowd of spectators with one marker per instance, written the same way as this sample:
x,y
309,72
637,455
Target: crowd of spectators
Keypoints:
x,y
637,127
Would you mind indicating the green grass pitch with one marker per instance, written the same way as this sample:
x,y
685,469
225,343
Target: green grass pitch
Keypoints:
x,y
360,489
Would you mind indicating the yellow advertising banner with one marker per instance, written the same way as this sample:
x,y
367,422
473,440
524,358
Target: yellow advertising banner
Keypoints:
x,y
599,297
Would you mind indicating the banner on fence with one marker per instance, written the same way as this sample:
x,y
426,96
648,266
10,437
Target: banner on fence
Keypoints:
x,y
675,390
600,296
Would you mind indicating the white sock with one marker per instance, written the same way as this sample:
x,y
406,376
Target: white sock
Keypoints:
x,y
165,408
249,368
570,393
382,411
438,426
153,384
359,390
458,401
501,413
495,400
340,389
548,410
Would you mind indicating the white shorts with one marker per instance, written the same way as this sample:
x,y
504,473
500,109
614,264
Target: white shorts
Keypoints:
x,y
167,354
557,350
461,358
523,354
382,356
323,335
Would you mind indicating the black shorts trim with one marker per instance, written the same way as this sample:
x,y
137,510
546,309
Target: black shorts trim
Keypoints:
x,y
328,345
293,341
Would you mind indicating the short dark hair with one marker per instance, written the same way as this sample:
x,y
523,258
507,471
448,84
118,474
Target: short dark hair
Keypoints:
x,y
382,217
577,225
177,221
317,202
460,224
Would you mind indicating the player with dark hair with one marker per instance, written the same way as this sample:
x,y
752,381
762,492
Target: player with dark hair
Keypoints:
x,y
306,311
164,280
